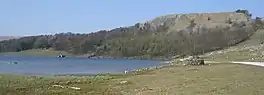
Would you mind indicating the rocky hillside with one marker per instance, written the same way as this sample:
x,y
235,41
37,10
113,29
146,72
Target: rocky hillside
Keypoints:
x,y
165,36
181,21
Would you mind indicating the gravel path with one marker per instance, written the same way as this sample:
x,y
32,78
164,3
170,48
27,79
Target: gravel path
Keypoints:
x,y
252,63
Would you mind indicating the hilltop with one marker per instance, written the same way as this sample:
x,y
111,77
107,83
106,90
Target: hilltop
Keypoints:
x,y
181,21
162,37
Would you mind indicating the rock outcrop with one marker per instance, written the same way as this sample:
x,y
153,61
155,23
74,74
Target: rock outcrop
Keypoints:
x,y
192,60
181,21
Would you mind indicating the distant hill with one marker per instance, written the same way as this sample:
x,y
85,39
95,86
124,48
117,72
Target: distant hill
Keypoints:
x,y
165,36
7,37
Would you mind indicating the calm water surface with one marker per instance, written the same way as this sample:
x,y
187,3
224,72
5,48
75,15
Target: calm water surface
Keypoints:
x,y
57,66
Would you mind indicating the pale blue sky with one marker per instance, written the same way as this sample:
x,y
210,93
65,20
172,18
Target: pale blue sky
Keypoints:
x,y
34,17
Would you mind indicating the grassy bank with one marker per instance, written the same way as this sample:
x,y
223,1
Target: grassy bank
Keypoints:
x,y
30,85
226,79
249,50
37,52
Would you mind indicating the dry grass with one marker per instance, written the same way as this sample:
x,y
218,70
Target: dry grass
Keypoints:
x,y
224,79
214,79
31,85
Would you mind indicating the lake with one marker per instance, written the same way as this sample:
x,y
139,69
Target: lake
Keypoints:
x,y
61,66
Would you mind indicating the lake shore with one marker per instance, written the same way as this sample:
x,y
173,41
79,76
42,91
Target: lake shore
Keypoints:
x,y
138,70
56,66
116,84
55,53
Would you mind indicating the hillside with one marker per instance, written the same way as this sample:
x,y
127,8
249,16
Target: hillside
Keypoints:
x,y
249,50
181,21
162,37
7,37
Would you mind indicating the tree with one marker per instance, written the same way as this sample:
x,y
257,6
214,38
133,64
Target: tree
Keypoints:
x,y
246,12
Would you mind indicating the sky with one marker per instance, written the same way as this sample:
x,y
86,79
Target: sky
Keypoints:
x,y
38,17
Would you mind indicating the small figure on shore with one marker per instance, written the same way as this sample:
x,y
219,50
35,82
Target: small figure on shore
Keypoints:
x,y
61,56
13,62
126,71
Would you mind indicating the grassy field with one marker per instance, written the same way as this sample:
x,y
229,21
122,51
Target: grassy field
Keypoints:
x,y
214,79
30,85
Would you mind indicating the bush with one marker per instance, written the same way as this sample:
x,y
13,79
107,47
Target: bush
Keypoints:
x,y
244,11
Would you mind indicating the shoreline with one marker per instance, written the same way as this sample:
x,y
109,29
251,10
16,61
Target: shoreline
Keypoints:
x,y
127,58
162,63
125,72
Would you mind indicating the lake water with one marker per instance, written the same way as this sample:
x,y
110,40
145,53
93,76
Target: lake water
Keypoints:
x,y
58,66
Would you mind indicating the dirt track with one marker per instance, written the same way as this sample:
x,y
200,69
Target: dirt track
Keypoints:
x,y
252,63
